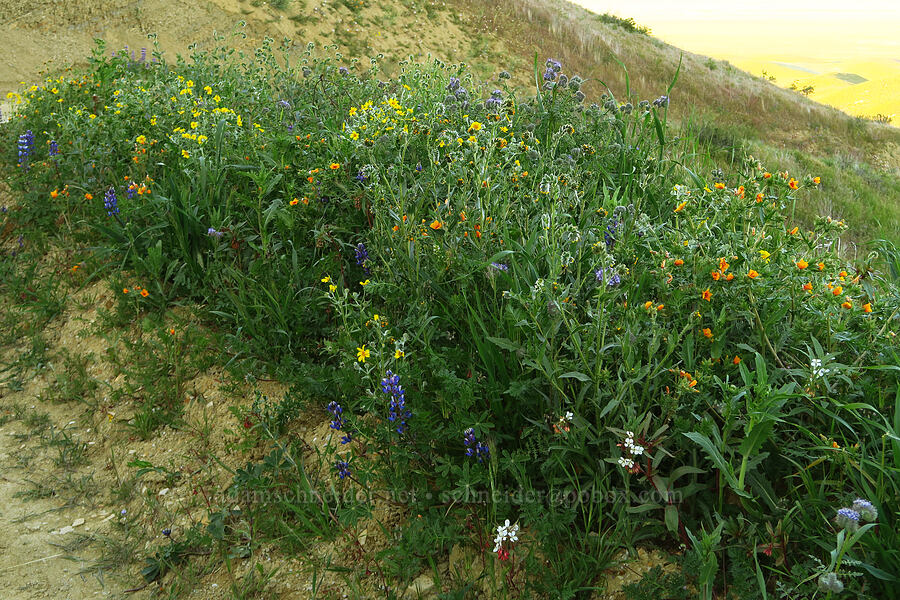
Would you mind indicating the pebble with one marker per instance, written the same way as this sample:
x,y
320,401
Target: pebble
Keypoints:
x,y
77,522
163,491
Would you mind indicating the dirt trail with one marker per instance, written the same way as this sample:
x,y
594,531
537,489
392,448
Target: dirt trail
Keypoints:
x,y
39,537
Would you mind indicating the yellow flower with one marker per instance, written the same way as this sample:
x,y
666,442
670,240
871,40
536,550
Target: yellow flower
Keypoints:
x,y
475,126
364,283
764,255
295,202
802,264
332,288
752,274
398,354
326,279
334,166
362,354
141,139
185,154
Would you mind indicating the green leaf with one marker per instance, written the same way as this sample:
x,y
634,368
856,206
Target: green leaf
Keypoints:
x,y
575,375
504,343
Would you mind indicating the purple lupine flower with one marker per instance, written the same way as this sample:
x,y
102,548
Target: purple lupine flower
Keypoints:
x,y
212,232
362,255
343,468
131,191
54,148
167,532
500,266
26,147
475,448
609,236
662,101
344,71
284,103
399,413
110,202
337,421
144,54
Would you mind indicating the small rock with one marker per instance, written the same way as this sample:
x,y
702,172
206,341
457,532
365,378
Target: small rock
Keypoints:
x,y
163,491
77,522
66,529
421,587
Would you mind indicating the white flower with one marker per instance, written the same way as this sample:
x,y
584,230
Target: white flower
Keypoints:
x,y
626,463
506,532
637,450
629,434
629,442
569,416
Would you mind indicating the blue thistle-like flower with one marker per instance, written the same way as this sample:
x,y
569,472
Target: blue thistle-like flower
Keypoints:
x,y
26,147
110,202
866,509
848,519
453,85
343,468
829,582
661,102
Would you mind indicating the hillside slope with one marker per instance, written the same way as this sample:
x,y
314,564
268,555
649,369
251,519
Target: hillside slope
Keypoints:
x,y
720,108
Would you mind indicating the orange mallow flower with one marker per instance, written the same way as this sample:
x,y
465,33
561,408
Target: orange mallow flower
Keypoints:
x,y
817,180
648,304
847,304
767,175
723,265
837,290
54,193
719,186
867,307
659,307
793,184
436,225
760,197
808,287
678,262
737,359
88,196
125,290
706,295
752,274
145,293
729,277
821,266
334,166
715,275
295,202
706,331
802,264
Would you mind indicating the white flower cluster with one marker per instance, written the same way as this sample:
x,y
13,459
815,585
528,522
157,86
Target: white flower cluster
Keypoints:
x,y
506,533
817,369
627,462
